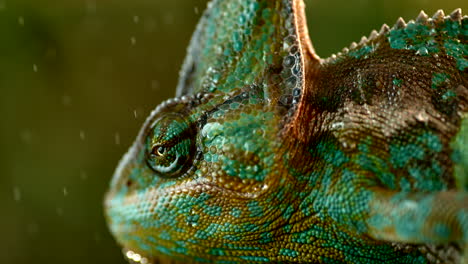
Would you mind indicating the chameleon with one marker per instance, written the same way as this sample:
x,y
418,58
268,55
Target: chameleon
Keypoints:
x,y
269,153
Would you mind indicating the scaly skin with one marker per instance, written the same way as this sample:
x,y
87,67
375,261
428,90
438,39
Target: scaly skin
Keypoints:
x,y
271,154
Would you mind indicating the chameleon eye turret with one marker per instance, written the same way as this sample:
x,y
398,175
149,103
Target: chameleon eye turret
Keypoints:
x,y
170,145
271,154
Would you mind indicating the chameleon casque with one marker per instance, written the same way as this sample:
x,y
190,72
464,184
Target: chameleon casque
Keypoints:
x,y
271,154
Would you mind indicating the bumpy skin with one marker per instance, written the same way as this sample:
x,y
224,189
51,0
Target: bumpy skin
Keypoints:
x,y
271,154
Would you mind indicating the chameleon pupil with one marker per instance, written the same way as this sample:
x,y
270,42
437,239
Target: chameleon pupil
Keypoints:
x,y
160,151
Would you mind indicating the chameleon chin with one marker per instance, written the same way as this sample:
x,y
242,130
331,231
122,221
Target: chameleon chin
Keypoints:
x,y
272,154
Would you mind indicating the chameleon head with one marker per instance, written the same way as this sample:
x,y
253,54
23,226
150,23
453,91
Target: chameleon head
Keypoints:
x,y
208,177
270,154
190,182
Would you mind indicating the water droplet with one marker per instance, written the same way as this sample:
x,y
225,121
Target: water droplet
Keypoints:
x,y
97,237
26,136
196,10
136,19
129,254
66,100
289,61
91,6
82,135
16,194
296,92
117,138
293,49
133,40
65,191
168,19
291,82
33,228
154,85
59,211
137,257
135,114
83,175
422,51
21,21
34,67
149,24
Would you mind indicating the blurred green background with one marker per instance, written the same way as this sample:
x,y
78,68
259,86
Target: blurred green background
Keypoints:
x,y
77,79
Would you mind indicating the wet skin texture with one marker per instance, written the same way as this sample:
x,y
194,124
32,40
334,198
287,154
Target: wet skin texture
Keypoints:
x,y
271,154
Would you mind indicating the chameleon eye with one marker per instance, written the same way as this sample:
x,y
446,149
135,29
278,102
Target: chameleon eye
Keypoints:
x,y
169,146
159,150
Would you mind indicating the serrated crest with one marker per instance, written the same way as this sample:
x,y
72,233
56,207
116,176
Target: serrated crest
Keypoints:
x,y
456,15
384,29
373,35
438,16
363,40
400,23
422,17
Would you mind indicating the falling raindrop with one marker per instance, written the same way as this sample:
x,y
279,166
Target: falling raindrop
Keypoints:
x,y
133,40
34,67
26,136
91,6
82,135
97,237
66,100
33,228
83,175
65,191
59,211
16,194
117,138
149,24
154,85
136,19
21,21
196,10
168,19
135,114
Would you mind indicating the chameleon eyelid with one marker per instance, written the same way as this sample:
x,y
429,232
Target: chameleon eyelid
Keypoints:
x,y
170,168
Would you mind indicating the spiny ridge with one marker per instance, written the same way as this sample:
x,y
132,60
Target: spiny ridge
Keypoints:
x,y
384,29
373,35
422,17
363,40
400,23
456,15
438,16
